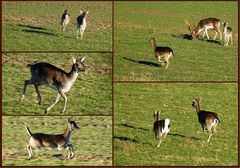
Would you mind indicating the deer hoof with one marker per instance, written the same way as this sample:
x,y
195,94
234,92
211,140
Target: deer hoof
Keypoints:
x,y
21,98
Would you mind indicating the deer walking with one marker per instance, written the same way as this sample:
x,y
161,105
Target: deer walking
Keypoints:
x,y
204,25
160,127
49,141
56,78
227,34
81,23
65,19
208,120
161,52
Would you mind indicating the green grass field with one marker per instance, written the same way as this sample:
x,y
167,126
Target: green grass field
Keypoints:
x,y
136,22
91,94
92,143
186,144
29,26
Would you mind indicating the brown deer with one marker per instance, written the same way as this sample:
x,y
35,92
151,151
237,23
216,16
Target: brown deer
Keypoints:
x,y
227,34
204,25
160,52
56,78
160,127
50,141
208,120
191,27
65,19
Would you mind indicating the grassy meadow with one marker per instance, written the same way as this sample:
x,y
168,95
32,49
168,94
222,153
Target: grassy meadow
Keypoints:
x,y
186,144
92,142
91,93
136,22
29,26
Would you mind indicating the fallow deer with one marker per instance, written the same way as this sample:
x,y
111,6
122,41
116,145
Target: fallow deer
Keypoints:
x,y
56,78
227,34
160,127
204,25
81,23
208,120
65,19
191,27
160,52
53,141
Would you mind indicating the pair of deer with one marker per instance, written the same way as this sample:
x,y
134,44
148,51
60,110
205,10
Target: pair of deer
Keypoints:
x,y
203,26
208,120
81,22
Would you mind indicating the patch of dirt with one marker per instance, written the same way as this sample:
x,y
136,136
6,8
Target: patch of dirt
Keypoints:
x,y
104,70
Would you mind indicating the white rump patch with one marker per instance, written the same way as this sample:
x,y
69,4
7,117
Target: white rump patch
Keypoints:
x,y
166,129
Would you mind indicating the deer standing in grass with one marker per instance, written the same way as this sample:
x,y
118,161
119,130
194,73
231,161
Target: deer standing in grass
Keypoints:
x,y
204,25
208,120
81,23
160,127
65,19
161,52
50,141
56,78
227,34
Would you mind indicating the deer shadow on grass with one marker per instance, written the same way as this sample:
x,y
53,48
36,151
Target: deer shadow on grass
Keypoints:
x,y
212,41
130,126
182,36
32,27
39,32
35,29
183,136
152,64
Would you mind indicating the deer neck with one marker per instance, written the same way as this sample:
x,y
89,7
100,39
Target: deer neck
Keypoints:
x,y
67,133
73,73
197,108
154,45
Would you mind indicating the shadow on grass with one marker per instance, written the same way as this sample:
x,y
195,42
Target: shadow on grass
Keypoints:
x,y
130,126
31,27
183,36
59,156
125,139
152,64
39,32
183,136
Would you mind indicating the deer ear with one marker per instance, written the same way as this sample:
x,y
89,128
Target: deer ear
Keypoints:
x,y
82,59
87,12
73,60
81,12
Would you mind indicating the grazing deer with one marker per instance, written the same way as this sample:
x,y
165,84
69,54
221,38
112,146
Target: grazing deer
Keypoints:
x,y
227,34
65,19
160,52
208,120
81,23
204,25
160,127
56,141
56,78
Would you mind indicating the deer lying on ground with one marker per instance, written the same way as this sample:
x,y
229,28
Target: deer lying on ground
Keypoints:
x,y
160,52
204,25
160,127
227,34
208,120
56,78
65,19
81,23
49,141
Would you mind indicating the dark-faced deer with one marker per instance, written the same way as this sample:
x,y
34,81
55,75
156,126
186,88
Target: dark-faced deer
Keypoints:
x,y
161,52
160,127
81,23
56,78
208,120
50,141
204,25
227,34
65,19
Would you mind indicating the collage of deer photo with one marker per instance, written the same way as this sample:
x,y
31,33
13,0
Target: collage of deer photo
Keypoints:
x,y
120,83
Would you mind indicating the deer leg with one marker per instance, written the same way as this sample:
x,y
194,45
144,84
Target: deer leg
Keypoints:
x,y
231,40
207,34
215,35
209,133
160,139
72,151
69,152
30,154
167,61
38,93
53,104
65,100
26,82
204,34
81,33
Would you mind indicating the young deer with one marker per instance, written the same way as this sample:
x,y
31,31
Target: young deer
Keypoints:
x,y
227,34
56,78
208,120
65,19
160,52
160,127
49,141
204,25
81,23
